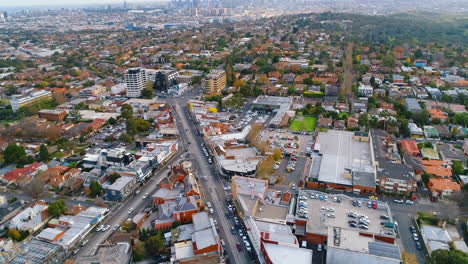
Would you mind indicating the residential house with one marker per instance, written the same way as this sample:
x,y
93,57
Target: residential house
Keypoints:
x,y
437,114
339,125
437,168
352,122
410,147
412,105
430,132
325,122
415,131
22,176
441,188
365,90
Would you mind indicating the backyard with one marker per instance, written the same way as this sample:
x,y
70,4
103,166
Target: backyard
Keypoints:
x,y
303,123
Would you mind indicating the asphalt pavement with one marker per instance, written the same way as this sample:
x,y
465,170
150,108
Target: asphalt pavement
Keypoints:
x,y
212,187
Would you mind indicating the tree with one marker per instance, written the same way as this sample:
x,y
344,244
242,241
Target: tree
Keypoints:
x,y
14,234
126,111
13,153
277,154
453,256
457,167
408,258
426,177
265,167
363,120
35,188
95,188
112,121
139,251
43,153
148,91
154,244
57,208
113,177
124,137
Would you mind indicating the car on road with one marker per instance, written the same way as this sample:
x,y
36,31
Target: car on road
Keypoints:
x,y
208,204
413,229
75,251
106,228
398,201
418,245
233,230
146,195
115,227
239,248
319,247
84,243
99,228
130,210
409,202
211,211
415,237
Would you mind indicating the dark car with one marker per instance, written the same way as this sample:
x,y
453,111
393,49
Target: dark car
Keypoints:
x,y
353,225
233,230
412,229
352,222
418,245
239,248
363,226
384,217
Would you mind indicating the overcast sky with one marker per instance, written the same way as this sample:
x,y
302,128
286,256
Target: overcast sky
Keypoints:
x,y
25,3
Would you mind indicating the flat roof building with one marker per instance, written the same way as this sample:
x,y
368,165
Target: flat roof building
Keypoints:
x,y
18,101
215,81
35,251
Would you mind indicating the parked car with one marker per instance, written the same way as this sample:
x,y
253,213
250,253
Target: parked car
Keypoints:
x,y
319,247
415,237
413,229
409,202
418,245
398,201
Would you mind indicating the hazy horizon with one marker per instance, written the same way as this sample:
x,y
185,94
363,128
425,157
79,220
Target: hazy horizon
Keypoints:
x,y
64,3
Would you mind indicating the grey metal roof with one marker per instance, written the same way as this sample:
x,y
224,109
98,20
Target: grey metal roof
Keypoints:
x,y
384,250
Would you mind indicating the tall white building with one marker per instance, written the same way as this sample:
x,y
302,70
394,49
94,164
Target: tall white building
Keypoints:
x,y
136,80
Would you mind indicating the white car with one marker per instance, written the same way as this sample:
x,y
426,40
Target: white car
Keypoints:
x,y
130,210
211,211
208,204
409,202
398,201
146,195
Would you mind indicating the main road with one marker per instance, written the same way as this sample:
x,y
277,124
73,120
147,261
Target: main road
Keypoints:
x,y
212,187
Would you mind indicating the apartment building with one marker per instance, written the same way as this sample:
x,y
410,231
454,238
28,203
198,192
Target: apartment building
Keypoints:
x,y
215,81
135,79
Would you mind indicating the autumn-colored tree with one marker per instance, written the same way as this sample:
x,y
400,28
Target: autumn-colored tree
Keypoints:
x,y
265,167
277,154
14,234
408,258
238,83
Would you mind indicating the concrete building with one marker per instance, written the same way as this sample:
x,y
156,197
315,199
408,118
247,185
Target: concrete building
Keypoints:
x,y
31,218
346,243
345,162
120,189
215,81
35,251
18,101
135,79
119,253
54,115
164,79
280,105
365,90
392,175
94,90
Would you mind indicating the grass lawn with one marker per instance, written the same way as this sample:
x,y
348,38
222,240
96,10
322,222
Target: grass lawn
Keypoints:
x,y
305,123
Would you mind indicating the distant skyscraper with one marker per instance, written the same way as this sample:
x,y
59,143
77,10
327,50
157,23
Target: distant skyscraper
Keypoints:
x,y
136,80
125,4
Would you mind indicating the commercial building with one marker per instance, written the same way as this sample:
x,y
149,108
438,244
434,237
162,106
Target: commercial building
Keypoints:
x,y
321,220
345,162
135,79
35,251
204,246
18,101
215,81
94,90
30,219
119,253
54,115
280,105
393,176
164,79
119,190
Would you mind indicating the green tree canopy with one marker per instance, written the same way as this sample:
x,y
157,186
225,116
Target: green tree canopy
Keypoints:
x,y
43,153
14,153
57,208
126,111
95,188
